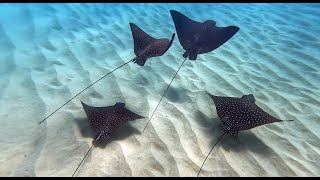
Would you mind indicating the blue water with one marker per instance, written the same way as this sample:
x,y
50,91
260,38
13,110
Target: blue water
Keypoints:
x,y
50,52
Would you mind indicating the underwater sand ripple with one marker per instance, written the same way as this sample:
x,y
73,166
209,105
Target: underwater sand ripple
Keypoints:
x,y
59,49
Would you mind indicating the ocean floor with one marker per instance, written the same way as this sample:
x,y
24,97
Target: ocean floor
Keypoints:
x,y
50,52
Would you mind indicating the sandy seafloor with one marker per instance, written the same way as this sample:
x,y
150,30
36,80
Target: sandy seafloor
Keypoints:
x,y
50,52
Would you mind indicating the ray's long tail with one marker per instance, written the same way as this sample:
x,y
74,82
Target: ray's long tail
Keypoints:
x,y
87,153
164,94
217,143
84,90
209,153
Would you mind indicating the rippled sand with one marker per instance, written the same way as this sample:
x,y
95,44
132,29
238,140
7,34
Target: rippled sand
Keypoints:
x,y
49,53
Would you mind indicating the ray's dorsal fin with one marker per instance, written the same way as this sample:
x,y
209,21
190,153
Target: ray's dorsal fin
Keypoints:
x,y
140,38
120,105
249,98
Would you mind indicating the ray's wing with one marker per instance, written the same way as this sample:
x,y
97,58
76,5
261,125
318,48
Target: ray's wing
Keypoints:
x,y
140,39
215,37
125,115
255,116
186,28
98,117
225,106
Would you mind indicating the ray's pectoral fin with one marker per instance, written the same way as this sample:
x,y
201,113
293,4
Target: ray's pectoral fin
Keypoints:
x,y
140,61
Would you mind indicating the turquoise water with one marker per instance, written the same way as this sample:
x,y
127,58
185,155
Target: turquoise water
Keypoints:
x,y
50,52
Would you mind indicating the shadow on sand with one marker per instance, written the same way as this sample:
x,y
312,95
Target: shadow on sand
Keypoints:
x,y
246,140
121,133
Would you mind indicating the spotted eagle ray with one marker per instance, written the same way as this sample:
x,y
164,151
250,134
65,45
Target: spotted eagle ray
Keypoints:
x,y
105,120
238,114
197,38
145,47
